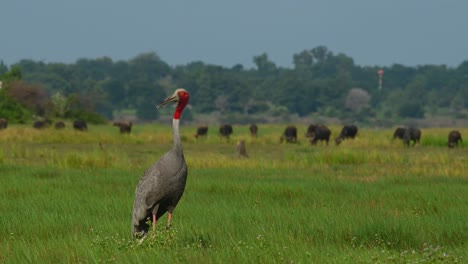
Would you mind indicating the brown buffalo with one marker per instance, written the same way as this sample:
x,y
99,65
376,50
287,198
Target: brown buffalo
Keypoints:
x,y
253,130
125,127
3,123
454,138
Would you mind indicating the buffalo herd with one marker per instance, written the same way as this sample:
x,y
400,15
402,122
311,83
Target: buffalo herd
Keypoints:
x,y
314,134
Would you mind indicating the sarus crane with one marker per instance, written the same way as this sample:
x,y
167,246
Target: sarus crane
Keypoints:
x,y
162,185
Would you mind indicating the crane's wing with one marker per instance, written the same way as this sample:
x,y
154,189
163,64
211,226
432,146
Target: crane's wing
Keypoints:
x,y
148,193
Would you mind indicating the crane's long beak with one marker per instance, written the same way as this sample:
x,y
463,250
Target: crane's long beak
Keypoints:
x,y
173,98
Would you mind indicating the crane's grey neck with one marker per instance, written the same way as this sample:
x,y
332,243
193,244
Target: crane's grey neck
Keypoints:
x,y
176,134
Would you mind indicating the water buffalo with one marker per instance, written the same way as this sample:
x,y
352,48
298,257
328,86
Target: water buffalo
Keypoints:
x,y
348,131
80,125
59,125
289,134
124,126
399,133
202,131
253,130
318,132
3,123
41,124
225,131
408,135
412,134
453,138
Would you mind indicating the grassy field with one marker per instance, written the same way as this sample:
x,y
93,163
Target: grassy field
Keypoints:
x,y
67,196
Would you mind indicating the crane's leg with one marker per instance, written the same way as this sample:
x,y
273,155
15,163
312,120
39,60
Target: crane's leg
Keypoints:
x,y
169,217
154,223
154,212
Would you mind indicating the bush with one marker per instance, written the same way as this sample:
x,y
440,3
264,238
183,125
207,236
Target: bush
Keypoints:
x,y
12,110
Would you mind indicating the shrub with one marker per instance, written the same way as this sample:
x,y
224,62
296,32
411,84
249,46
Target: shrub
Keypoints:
x,y
12,110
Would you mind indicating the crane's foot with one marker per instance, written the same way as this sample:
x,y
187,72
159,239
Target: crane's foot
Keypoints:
x,y
141,240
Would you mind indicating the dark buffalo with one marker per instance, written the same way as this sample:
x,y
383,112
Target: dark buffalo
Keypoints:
x,y
41,124
399,133
225,131
80,125
253,130
202,131
347,132
310,131
59,125
3,123
412,134
125,127
453,138
408,135
289,134
318,132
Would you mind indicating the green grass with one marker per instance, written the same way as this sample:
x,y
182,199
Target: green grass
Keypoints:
x,y
66,197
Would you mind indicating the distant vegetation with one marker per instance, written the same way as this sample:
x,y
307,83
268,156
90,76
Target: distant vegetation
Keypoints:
x,y
320,84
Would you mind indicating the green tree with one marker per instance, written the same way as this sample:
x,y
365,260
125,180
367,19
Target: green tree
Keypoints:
x,y
3,69
303,61
264,64
13,111
147,95
59,102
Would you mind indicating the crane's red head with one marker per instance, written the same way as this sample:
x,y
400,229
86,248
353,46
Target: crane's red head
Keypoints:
x,y
181,96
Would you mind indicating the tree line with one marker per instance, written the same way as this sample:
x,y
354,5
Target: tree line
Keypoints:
x,y
319,83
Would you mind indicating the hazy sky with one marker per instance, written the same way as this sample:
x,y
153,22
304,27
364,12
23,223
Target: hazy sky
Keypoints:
x,y
372,32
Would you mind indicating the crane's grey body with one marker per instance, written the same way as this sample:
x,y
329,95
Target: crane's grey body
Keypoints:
x,y
161,186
